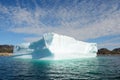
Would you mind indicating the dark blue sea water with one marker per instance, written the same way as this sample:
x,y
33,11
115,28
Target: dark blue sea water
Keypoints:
x,y
99,68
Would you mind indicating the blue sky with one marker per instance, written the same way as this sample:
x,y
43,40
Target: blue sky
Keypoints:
x,y
87,20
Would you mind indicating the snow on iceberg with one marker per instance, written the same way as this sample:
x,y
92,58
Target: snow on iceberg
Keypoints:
x,y
55,46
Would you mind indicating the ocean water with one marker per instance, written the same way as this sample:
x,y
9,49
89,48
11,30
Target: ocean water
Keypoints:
x,y
99,68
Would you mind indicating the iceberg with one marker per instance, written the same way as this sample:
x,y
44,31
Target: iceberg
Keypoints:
x,y
55,46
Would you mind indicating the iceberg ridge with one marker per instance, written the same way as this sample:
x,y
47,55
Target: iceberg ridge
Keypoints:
x,y
55,46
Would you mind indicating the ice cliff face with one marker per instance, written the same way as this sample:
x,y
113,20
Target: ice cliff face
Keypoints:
x,y
56,46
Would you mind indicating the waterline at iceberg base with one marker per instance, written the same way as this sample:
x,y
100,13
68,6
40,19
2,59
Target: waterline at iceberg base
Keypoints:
x,y
56,47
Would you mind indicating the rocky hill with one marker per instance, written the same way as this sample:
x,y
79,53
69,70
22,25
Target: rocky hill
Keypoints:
x,y
105,51
6,50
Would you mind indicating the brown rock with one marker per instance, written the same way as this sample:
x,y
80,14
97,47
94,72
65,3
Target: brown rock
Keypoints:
x,y
116,51
6,48
104,51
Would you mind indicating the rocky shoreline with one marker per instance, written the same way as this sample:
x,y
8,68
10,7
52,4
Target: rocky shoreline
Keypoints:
x,y
7,50
5,54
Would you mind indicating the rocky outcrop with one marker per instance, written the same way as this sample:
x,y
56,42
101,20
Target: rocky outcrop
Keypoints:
x,y
104,51
117,50
6,48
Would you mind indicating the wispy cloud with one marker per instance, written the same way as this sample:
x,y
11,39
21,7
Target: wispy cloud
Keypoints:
x,y
110,43
108,25
82,20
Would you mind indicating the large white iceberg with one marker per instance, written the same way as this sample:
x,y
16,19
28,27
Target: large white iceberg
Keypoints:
x,y
55,46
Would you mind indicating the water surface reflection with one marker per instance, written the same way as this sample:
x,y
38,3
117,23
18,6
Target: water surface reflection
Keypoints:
x,y
87,68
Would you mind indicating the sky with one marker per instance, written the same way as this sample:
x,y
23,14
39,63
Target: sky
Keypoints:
x,y
96,21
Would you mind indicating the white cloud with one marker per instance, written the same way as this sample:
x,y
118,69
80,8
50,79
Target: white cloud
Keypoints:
x,y
31,39
103,27
3,9
83,20
109,45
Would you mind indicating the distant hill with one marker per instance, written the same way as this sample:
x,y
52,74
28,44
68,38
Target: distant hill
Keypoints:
x,y
6,48
105,51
